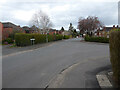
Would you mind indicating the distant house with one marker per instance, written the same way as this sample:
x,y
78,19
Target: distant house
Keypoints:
x,y
32,29
54,31
26,29
65,32
9,28
104,32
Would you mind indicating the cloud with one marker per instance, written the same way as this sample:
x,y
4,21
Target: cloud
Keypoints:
x,y
61,12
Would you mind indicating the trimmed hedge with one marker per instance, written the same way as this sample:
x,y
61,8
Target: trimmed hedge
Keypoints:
x,y
115,54
23,39
51,38
66,37
97,39
59,37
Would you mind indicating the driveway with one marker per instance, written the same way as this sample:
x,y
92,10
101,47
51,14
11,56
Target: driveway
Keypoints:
x,y
65,64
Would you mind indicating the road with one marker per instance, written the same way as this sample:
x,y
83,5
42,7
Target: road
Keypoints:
x,y
65,64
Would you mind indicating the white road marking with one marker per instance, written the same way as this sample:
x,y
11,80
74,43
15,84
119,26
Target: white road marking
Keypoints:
x,y
103,81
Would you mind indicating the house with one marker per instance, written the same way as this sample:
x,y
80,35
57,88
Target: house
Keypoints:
x,y
1,29
26,29
9,28
54,31
65,32
32,29
105,31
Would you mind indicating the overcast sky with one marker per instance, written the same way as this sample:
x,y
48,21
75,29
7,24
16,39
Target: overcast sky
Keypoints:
x,y
61,12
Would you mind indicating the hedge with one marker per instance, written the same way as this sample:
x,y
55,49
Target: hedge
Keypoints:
x,y
23,39
97,39
51,38
59,37
115,54
66,37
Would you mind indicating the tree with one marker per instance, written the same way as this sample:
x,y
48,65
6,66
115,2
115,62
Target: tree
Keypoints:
x,y
72,30
62,29
42,21
89,25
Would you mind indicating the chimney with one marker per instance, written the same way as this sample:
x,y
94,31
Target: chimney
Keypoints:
x,y
113,26
117,26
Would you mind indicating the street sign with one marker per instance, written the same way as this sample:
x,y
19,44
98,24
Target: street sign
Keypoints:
x,y
32,41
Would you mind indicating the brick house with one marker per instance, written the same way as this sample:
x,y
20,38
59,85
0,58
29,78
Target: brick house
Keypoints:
x,y
65,32
32,29
9,28
54,31
1,29
104,32
26,29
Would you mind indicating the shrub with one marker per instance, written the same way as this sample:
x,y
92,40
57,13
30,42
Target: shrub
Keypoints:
x,y
115,54
8,40
59,37
97,39
24,39
39,38
51,38
66,37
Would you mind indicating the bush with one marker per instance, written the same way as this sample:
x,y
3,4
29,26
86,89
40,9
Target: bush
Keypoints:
x,y
8,40
24,39
39,38
51,38
59,37
115,54
66,37
97,39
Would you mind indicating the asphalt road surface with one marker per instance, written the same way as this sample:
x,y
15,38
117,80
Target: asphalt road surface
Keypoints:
x,y
65,64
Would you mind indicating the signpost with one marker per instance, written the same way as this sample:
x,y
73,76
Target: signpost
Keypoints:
x,y
32,41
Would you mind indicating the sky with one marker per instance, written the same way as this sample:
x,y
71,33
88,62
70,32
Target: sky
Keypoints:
x,y
61,12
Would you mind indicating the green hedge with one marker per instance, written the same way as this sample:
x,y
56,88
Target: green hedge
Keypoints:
x,y
50,38
97,39
23,39
115,54
66,37
59,37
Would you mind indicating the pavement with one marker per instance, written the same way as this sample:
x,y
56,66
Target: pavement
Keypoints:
x,y
7,49
105,79
65,64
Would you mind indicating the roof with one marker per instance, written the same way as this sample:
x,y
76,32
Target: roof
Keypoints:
x,y
8,25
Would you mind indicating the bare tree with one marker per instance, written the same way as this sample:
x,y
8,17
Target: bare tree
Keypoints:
x,y
89,24
42,21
